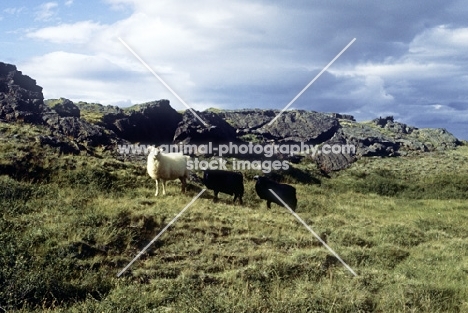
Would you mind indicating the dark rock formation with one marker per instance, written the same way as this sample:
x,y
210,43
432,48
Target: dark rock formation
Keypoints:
x,y
20,98
433,139
336,161
80,130
152,123
368,140
395,127
64,107
342,116
291,126
191,130
301,126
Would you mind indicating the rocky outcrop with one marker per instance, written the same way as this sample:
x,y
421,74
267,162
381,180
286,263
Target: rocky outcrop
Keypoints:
x,y
329,162
97,108
64,107
300,126
431,139
342,116
291,126
191,130
151,123
81,131
368,140
20,98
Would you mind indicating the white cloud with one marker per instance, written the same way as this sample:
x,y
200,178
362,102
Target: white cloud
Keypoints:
x,y
46,11
68,3
441,41
77,33
93,78
14,11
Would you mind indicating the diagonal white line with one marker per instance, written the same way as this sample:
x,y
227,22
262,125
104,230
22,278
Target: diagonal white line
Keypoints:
x,y
163,82
313,233
312,81
160,233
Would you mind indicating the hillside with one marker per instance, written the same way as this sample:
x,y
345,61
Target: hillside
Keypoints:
x,y
71,223
75,213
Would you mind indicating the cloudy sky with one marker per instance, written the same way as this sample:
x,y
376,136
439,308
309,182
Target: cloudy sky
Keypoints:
x,y
409,60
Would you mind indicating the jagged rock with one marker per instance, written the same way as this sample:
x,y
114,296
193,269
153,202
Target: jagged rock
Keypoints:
x,y
248,119
301,126
436,138
369,141
158,123
411,145
70,147
335,161
383,121
291,126
64,107
20,98
395,127
342,116
191,130
80,130
153,123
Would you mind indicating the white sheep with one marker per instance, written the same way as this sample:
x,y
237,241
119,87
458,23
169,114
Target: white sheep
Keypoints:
x,y
167,166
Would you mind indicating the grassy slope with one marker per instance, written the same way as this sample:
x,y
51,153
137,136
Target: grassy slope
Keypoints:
x,y
400,223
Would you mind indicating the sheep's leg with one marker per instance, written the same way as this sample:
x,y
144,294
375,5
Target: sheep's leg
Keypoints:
x,y
215,199
164,187
269,204
183,180
157,189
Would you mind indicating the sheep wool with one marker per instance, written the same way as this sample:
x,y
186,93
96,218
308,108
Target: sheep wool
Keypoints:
x,y
167,166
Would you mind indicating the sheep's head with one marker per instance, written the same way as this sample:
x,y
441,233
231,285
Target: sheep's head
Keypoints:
x,y
155,152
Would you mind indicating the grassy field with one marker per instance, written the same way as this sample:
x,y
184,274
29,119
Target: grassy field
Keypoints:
x,y
71,223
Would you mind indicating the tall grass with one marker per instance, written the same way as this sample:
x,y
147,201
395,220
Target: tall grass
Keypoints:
x,y
402,229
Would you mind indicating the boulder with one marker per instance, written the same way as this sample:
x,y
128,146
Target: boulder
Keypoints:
x,y
191,130
152,123
435,139
301,126
329,162
80,130
20,98
369,141
389,123
342,116
291,126
64,107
